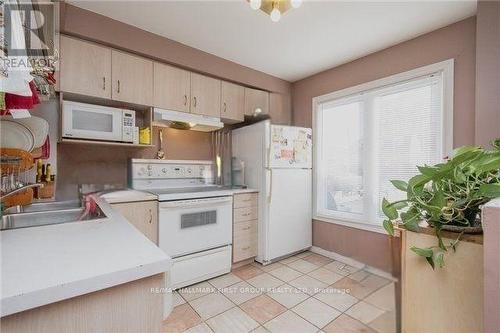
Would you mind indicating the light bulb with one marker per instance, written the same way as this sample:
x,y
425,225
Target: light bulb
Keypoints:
x,y
296,3
255,4
275,14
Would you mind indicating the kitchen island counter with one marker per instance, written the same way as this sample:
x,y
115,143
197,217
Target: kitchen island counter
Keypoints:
x,y
47,264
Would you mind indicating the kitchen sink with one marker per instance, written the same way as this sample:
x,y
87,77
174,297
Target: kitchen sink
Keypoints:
x,y
40,214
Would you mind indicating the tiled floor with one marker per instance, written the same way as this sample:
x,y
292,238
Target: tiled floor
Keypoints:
x,y
303,293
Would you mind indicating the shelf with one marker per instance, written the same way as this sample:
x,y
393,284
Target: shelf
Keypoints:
x,y
103,143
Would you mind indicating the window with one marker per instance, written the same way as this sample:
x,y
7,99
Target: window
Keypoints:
x,y
367,135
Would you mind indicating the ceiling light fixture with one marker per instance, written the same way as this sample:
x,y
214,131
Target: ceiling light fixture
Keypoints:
x,y
274,8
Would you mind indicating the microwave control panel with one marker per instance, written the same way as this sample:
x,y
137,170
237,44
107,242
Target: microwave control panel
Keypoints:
x,y
128,125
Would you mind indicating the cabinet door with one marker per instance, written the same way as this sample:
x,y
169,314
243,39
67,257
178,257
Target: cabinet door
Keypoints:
x,y
279,109
85,68
205,95
132,78
256,99
171,88
143,215
233,102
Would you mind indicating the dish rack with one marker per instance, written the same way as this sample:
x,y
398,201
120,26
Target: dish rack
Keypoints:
x,y
14,167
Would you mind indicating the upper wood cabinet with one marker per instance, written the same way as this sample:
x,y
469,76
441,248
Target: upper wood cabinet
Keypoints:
x,y
205,95
232,102
85,68
279,109
256,99
132,78
172,88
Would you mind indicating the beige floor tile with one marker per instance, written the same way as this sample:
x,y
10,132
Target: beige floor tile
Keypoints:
x,y
181,318
316,312
288,260
364,312
337,299
359,275
196,291
308,284
384,298
211,305
304,254
346,324
318,259
260,329
241,292
290,322
265,282
326,276
247,272
232,321
268,268
355,288
224,280
177,299
302,266
262,308
287,295
285,273
341,268
375,281
386,323
201,328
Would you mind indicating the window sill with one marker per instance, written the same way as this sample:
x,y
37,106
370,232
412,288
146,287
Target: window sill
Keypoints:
x,y
356,225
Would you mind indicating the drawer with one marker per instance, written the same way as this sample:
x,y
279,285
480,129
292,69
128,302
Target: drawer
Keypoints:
x,y
245,240
245,214
245,200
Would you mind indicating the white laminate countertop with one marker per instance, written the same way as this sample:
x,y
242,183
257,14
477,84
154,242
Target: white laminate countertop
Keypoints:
x,y
46,264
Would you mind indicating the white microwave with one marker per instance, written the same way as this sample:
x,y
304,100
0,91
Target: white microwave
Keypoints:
x,y
96,122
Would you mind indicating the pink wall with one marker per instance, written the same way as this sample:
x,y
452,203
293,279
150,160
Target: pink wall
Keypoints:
x,y
456,41
488,72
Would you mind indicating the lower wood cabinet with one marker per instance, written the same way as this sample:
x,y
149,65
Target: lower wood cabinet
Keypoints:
x,y
143,215
245,226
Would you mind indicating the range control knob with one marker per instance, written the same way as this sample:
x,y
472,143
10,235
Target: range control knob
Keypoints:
x,y
150,167
164,170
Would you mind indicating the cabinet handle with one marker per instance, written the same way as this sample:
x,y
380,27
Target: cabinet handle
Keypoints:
x,y
224,108
118,88
194,100
103,83
246,248
246,228
185,99
246,214
150,216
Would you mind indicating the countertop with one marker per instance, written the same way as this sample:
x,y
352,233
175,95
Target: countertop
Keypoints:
x,y
43,265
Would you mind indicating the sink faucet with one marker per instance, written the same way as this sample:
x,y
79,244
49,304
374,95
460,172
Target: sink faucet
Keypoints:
x,y
19,189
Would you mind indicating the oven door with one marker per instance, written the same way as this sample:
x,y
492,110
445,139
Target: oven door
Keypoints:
x,y
94,122
190,226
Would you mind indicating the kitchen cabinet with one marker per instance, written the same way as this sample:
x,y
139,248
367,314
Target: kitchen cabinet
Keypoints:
x,y
256,99
132,78
245,226
232,102
172,88
205,95
85,68
143,215
279,109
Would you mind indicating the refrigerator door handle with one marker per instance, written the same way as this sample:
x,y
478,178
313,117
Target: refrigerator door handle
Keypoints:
x,y
270,185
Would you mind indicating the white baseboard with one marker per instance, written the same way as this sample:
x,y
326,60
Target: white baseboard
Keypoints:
x,y
352,262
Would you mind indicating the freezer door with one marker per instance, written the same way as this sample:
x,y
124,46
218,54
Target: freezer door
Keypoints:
x,y
290,212
289,147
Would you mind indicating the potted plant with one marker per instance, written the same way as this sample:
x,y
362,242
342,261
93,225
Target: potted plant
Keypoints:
x,y
448,196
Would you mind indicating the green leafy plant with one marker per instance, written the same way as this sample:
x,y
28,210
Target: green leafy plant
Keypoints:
x,y
449,193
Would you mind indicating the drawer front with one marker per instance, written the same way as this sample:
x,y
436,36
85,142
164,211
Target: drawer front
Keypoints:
x,y
245,240
245,214
246,200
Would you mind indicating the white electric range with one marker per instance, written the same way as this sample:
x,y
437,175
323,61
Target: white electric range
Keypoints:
x,y
195,217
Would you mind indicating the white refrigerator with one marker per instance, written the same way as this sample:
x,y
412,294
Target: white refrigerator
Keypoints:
x,y
278,163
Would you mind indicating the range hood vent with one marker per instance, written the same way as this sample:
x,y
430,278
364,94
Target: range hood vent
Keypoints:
x,y
185,121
